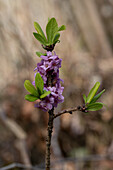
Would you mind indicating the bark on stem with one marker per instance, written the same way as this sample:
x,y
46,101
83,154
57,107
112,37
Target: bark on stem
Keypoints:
x,y
52,116
49,135
50,128
70,110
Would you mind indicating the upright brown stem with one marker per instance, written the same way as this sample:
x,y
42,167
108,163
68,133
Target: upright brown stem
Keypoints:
x,y
49,135
50,127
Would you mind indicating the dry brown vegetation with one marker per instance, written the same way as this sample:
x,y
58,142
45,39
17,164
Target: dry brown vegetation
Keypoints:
x,y
87,51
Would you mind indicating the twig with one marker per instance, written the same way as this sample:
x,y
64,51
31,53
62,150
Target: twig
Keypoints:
x,y
70,110
50,128
20,135
21,146
19,165
49,135
87,158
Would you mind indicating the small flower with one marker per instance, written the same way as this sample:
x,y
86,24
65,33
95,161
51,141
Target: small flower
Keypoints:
x,y
50,64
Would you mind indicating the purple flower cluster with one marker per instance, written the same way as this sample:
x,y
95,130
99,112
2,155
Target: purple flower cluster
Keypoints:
x,y
49,70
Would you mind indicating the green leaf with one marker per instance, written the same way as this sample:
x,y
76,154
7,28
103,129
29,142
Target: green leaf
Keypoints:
x,y
39,54
93,92
45,94
39,30
39,83
61,28
30,88
51,29
94,106
55,40
95,98
85,99
39,38
30,97
44,91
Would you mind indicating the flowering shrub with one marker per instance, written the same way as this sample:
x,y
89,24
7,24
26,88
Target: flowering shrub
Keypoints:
x,y
47,85
47,82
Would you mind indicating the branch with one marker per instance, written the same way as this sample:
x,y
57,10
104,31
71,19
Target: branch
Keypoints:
x,y
19,165
50,127
49,135
70,110
20,135
87,158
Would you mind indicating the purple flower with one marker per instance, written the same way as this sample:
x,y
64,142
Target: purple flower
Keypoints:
x,y
50,64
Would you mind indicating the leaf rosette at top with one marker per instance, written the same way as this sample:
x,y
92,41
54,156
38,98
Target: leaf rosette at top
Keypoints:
x,y
52,32
51,29
38,92
90,100
39,30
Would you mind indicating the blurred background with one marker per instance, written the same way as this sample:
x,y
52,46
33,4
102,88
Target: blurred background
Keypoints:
x,y
86,48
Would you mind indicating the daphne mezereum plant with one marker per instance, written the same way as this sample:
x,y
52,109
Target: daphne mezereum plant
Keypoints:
x,y
46,90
